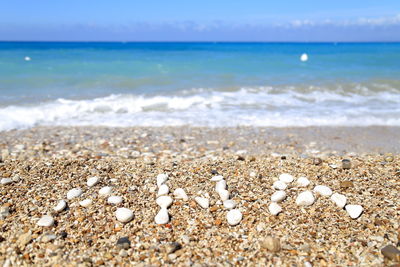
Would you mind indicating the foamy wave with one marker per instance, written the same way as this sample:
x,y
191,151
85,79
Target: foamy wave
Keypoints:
x,y
264,106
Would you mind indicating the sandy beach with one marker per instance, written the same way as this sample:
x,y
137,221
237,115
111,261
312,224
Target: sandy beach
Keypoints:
x,y
42,164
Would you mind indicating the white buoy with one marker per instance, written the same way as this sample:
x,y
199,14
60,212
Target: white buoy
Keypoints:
x,y
304,57
27,59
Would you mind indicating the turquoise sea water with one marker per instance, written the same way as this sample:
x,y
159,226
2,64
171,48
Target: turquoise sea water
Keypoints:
x,y
212,84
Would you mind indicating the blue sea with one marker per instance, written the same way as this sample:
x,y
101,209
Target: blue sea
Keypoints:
x,y
199,84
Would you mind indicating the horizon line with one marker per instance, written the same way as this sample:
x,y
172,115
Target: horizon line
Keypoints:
x,y
180,41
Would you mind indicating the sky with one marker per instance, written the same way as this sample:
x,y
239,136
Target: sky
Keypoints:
x,y
206,20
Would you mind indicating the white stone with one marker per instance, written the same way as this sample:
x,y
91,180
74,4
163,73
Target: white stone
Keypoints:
x,y
286,178
179,193
46,221
217,178
62,204
354,210
279,185
164,201
105,191
163,190
278,196
339,199
223,194
220,185
303,182
229,204
162,216
5,181
234,217
274,208
86,202
114,200
323,190
92,181
305,198
161,179
124,215
73,193
252,174
203,202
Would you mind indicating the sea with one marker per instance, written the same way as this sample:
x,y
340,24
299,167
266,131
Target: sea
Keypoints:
x,y
198,84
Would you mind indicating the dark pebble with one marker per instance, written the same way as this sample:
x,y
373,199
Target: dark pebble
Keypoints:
x,y
214,172
124,242
174,246
346,164
63,234
240,158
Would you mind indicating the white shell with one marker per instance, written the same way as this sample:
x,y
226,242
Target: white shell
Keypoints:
x,y
179,193
105,191
62,204
114,200
220,185
86,202
164,201
339,199
354,210
229,204
286,178
5,181
161,179
323,190
124,215
46,221
303,182
73,193
163,190
223,194
234,217
279,185
92,181
278,196
203,202
305,198
217,178
162,216
274,208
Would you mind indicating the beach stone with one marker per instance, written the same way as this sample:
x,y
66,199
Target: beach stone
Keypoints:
x,y
105,191
234,217
92,181
354,210
346,184
339,199
124,242
323,190
229,204
286,178
163,190
278,196
73,193
203,202
173,247
317,161
62,204
162,216
164,201
274,208
305,198
161,179
124,215
303,182
217,178
220,185
272,244
223,194
16,178
5,181
48,237
86,202
346,164
179,193
391,252
279,185
114,200
4,212
46,221
24,239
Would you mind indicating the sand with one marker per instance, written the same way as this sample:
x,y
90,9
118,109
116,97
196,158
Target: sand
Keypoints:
x,y
46,162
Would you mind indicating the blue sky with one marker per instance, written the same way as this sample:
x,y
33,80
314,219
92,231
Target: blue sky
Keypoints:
x,y
206,20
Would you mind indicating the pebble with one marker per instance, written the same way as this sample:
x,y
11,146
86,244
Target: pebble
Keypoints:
x,y
73,193
92,181
124,242
278,196
48,237
62,204
46,221
354,210
303,182
173,247
163,190
234,217
203,202
179,193
272,244
391,252
105,191
4,212
305,198
162,216
217,178
5,181
24,239
323,190
220,185
339,199
346,164
279,185
274,208
229,204
161,179
346,184
114,200
286,178
164,201
223,194
124,215
86,202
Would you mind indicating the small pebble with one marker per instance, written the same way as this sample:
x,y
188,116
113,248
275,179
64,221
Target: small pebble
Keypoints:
x,y
46,221
229,204
217,178
62,204
303,182
161,179
179,193
73,193
47,238
124,242
86,202
339,199
279,185
173,247
323,190
163,190
272,244
124,215
164,201
274,208
346,184
286,178
234,217
105,191
223,194
5,181
92,181
317,161
278,196
346,164
4,212
114,200
162,216
391,252
220,185
305,198
203,202
354,210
